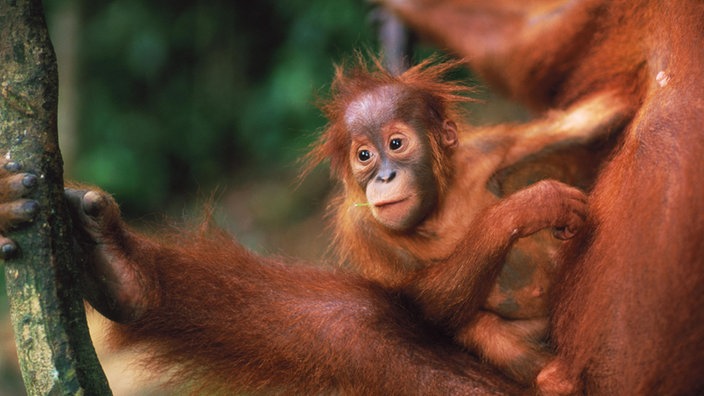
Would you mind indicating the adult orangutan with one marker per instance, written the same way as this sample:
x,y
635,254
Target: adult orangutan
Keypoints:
x,y
136,281
149,286
629,318
456,236
415,178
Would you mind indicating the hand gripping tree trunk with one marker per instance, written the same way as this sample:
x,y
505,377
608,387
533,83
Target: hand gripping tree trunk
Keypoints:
x,y
55,353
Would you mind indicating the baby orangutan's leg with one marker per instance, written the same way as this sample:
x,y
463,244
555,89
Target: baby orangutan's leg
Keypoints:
x,y
514,346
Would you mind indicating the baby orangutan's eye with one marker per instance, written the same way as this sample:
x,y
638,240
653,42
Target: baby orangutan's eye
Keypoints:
x,y
395,144
364,155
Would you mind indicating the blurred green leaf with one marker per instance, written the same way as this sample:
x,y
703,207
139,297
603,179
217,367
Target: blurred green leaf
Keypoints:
x,y
176,96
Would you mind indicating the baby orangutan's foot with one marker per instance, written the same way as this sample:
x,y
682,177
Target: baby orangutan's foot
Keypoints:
x,y
553,380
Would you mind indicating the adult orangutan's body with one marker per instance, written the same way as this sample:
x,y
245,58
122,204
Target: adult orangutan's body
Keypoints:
x,y
629,318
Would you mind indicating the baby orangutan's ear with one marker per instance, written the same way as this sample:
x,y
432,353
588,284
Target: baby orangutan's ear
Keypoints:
x,y
449,134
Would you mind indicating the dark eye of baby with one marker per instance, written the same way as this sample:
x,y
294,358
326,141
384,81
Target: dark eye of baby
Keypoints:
x,y
364,155
395,144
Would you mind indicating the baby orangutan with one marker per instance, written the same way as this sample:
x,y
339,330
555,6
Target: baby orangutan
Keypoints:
x,y
416,183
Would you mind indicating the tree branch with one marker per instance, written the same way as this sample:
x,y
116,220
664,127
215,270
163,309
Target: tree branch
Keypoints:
x,y
55,353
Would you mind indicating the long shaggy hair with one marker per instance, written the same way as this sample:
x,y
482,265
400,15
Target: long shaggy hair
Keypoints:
x,y
426,80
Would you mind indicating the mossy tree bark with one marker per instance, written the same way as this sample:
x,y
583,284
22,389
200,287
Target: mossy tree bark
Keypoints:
x,y
54,348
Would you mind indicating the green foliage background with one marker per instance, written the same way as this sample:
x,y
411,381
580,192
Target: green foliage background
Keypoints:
x,y
178,96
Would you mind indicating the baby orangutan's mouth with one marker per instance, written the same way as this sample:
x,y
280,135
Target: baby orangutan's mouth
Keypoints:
x,y
393,212
387,203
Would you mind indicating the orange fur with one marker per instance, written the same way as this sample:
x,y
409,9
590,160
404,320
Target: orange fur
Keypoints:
x,y
462,172
629,319
424,78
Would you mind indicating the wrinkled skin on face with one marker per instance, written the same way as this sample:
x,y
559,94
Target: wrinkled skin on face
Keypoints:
x,y
391,158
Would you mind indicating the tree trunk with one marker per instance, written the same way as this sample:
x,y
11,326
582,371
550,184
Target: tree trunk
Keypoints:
x,y
54,348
